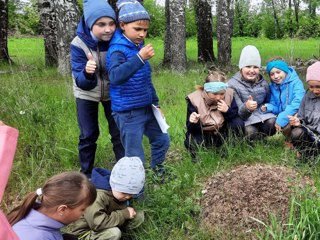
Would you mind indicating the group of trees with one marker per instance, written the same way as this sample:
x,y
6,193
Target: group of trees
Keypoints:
x,y
56,21
276,19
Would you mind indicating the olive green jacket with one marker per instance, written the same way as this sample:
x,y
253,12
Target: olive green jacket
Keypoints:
x,y
105,212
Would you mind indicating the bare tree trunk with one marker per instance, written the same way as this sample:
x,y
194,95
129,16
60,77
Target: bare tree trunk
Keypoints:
x,y
290,20
167,36
59,20
48,20
204,27
68,14
178,36
296,4
225,13
4,53
113,4
276,19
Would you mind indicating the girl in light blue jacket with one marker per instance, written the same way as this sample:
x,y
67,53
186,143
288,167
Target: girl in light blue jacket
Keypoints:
x,y
287,92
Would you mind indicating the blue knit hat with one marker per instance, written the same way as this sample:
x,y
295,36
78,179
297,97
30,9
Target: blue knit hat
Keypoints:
x,y
95,9
282,65
131,11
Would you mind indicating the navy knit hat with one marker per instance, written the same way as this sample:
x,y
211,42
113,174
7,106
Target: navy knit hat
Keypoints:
x,y
95,9
131,11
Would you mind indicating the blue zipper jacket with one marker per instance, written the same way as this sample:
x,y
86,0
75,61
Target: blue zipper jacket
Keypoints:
x,y
130,77
86,86
286,97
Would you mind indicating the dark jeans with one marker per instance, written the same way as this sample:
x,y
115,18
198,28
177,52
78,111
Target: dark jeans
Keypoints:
x,y
304,143
87,112
194,141
133,124
260,130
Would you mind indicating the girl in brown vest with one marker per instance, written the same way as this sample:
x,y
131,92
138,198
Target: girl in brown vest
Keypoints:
x,y
211,114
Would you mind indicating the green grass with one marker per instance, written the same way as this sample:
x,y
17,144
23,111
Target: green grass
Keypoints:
x,y
40,103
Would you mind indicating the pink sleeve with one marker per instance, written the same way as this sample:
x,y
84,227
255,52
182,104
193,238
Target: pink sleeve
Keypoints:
x,y
8,144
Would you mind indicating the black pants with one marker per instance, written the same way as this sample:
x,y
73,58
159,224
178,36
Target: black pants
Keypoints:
x,y
89,132
304,143
260,130
196,140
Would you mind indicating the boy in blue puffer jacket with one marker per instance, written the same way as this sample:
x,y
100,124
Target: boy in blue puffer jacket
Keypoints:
x,y
90,79
131,89
287,92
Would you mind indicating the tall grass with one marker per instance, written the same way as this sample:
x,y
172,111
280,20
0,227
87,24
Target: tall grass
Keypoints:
x,y
40,103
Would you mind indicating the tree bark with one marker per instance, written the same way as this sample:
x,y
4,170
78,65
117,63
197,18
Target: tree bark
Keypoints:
x,y
59,19
225,13
67,13
290,20
276,19
204,27
48,20
296,4
4,53
167,36
178,36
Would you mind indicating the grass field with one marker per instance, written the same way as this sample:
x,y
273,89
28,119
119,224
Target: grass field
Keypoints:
x,y
40,103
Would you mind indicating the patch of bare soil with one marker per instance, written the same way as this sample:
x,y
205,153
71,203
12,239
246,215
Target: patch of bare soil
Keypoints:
x,y
232,199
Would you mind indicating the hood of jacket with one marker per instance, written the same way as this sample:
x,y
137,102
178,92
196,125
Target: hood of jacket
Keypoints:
x,y
120,39
291,76
83,32
100,178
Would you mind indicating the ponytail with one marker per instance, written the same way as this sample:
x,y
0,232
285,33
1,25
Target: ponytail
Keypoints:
x,y
22,210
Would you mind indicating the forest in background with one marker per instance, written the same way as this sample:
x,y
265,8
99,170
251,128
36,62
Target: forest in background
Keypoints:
x,y
273,19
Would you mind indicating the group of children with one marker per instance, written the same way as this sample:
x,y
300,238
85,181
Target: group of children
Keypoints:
x,y
110,66
248,106
107,64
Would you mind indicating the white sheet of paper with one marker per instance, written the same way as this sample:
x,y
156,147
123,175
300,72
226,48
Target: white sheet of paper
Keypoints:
x,y
161,121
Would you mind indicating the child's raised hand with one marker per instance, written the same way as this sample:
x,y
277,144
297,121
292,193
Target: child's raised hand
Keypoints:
x,y
294,121
222,106
132,212
146,52
91,64
194,117
251,104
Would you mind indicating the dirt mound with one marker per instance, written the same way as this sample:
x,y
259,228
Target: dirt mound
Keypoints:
x,y
232,199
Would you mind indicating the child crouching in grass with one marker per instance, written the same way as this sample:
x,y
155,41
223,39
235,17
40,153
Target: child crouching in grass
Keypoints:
x,y
111,213
305,135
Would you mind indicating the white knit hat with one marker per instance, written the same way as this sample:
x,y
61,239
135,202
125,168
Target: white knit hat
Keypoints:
x,y
128,175
250,56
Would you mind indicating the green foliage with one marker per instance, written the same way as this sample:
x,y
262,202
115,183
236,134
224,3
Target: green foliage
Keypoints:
x,y
191,27
303,222
23,17
157,15
309,27
269,27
